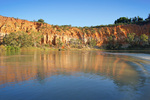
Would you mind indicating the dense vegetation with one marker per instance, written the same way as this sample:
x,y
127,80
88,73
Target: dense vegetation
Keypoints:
x,y
132,41
125,20
17,40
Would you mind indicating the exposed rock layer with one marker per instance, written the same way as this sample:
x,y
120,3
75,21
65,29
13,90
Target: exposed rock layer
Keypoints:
x,y
51,33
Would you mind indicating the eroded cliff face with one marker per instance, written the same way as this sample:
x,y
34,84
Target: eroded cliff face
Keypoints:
x,y
52,33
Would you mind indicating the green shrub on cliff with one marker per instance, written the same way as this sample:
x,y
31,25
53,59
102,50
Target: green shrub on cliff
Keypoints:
x,y
41,21
144,39
130,37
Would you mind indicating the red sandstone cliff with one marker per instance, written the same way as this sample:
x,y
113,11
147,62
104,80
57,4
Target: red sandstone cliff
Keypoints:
x,y
51,33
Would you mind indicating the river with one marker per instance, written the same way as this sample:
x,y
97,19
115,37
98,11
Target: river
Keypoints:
x,y
75,75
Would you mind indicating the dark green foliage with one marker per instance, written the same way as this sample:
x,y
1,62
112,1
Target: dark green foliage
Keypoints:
x,y
140,19
113,44
148,18
123,20
133,41
136,20
41,21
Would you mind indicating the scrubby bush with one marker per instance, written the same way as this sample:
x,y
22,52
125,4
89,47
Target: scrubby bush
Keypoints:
x,y
92,43
112,43
130,38
22,39
76,43
41,21
19,39
10,48
144,39
2,48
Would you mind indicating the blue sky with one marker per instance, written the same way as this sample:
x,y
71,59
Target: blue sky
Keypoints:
x,y
75,12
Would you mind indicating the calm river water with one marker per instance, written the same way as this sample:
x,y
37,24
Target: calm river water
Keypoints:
x,y
74,75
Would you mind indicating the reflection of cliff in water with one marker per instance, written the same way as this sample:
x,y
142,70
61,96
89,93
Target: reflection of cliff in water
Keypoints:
x,y
41,65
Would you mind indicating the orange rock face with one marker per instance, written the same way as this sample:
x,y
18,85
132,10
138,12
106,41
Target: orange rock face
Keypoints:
x,y
52,33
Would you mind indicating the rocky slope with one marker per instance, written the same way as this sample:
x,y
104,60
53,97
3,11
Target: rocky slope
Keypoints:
x,y
65,33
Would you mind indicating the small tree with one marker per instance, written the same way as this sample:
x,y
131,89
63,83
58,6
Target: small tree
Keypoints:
x,y
24,40
113,44
36,38
41,21
144,39
130,37
148,18
135,19
140,19
122,20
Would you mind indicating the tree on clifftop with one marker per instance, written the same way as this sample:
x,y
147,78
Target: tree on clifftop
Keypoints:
x,y
148,19
41,21
122,20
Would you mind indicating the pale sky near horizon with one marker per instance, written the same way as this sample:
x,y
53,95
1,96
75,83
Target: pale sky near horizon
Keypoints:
x,y
75,12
